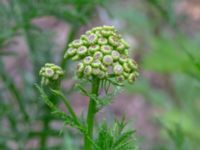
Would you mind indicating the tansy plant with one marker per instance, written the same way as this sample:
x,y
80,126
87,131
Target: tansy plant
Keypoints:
x,y
102,60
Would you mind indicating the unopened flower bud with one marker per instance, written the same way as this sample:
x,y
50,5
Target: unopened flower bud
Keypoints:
x,y
126,67
50,72
108,27
96,63
88,60
132,64
77,43
118,69
106,49
115,55
88,70
80,67
123,59
82,50
96,71
102,41
71,51
94,48
121,47
91,38
125,74
106,33
104,68
131,78
76,57
120,78
98,55
107,60
113,40
124,43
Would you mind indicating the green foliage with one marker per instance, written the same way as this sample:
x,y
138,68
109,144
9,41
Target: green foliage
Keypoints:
x,y
116,137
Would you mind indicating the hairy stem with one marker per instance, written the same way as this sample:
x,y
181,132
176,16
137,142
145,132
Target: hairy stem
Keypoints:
x,y
69,107
91,115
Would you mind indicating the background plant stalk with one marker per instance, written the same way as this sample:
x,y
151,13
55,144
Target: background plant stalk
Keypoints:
x,y
91,115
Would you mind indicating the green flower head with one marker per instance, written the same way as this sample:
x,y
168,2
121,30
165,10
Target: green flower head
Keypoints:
x,y
50,73
100,49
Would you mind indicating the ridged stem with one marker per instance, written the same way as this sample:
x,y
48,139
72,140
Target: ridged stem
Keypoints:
x,y
91,115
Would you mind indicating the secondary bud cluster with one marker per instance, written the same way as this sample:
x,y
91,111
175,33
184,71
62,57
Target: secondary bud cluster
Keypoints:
x,y
50,73
102,52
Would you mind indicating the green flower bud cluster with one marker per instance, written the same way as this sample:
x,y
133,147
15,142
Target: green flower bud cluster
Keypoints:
x,y
50,73
102,52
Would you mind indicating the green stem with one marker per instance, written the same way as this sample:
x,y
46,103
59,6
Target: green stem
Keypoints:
x,y
91,115
70,109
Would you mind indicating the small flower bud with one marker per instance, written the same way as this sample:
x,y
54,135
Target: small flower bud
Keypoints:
x,y
82,50
91,38
96,63
49,65
80,67
94,48
76,57
102,41
131,78
118,69
96,29
102,75
107,60
98,55
123,59
126,67
49,72
71,52
126,52
132,64
103,67
66,55
121,47
125,74
124,43
106,33
77,43
96,71
106,49
108,27
60,72
113,40
120,78
88,70
88,60
115,55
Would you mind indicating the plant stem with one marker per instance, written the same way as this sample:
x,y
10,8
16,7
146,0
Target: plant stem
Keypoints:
x,y
69,107
91,115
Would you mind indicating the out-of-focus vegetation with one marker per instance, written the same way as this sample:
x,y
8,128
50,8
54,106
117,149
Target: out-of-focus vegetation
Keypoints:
x,y
167,53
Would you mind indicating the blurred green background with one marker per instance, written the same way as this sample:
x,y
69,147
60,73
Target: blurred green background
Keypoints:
x,y
163,105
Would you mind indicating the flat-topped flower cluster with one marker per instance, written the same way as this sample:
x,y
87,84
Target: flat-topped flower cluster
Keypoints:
x,y
102,52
